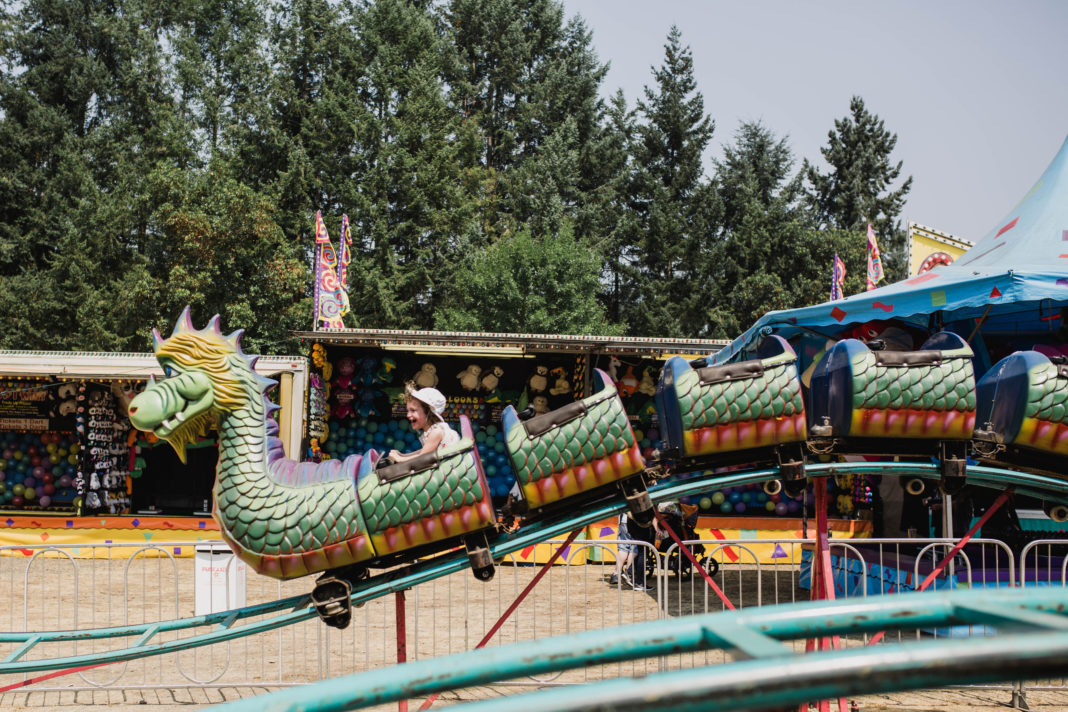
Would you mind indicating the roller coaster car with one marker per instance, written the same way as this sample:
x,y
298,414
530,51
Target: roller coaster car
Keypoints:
x,y
433,498
1023,416
581,448
415,508
919,403
750,411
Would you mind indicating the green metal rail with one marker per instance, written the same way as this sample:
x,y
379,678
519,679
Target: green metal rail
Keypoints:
x,y
297,608
1032,641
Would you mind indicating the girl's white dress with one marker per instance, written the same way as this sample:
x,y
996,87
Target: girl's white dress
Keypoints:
x,y
448,435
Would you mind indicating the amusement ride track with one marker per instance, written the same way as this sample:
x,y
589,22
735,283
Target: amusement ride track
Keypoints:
x,y
297,608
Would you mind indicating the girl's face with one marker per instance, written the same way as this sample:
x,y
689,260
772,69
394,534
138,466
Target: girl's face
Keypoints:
x,y
416,414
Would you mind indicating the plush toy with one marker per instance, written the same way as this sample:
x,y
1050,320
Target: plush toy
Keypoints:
x,y
345,399
469,377
648,382
346,366
427,377
385,371
366,405
492,379
318,411
315,453
844,504
63,408
539,380
613,368
560,385
540,405
124,392
366,376
629,383
318,359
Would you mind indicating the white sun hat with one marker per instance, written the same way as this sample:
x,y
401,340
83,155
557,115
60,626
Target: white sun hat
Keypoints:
x,y
432,397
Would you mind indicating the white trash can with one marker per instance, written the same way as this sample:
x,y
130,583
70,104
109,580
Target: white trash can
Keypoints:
x,y
220,579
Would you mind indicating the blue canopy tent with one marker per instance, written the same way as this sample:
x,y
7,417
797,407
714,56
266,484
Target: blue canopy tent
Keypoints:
x,y
1007,290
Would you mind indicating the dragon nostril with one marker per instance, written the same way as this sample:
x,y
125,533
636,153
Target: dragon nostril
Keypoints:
x,y
132,409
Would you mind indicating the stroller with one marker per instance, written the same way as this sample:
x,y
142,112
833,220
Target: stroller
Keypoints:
x,y
682,518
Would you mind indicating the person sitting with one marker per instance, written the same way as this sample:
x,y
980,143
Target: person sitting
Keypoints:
x,y
424,408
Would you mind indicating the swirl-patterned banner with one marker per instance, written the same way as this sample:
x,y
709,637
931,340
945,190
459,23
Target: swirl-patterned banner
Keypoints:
x,y
330,300
345,242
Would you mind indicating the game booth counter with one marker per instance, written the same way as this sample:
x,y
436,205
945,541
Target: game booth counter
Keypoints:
x,y
74,472
355,402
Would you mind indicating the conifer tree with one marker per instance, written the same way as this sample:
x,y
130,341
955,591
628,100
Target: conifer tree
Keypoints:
x,y
86,115
220,68
858,188
410,219
673,206
519,75
772,254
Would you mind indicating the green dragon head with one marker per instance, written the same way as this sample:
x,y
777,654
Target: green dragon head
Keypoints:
x,y
206,375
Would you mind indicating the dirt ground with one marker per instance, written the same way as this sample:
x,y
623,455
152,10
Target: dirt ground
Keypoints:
x,y
570,599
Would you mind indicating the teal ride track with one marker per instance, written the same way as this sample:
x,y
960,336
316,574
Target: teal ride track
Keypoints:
x,y
297,608
768,672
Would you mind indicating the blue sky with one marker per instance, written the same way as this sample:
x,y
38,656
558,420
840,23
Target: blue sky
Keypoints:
x,y
975,91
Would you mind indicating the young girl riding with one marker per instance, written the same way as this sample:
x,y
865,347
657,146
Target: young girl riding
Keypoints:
x,y
424,410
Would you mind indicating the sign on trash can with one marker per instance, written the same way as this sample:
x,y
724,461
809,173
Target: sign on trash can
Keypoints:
x,y
220,579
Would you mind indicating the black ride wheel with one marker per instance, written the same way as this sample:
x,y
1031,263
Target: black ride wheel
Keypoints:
x,y
478,554
711,566
332,600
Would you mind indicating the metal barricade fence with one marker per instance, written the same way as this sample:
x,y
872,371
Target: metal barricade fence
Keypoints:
x,y
107,585
1044,562
54,588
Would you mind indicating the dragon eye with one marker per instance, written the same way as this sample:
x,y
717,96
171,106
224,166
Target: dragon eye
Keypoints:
x,y
169,372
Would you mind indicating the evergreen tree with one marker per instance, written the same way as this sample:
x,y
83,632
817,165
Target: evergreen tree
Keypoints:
x,y
220,68
218,249
760,257
604,215
858,187
411,220
300,144
673,205
523,283
519,75
86,115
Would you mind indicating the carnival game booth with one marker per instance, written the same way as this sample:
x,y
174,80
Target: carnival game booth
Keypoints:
x,y
72,468
358,376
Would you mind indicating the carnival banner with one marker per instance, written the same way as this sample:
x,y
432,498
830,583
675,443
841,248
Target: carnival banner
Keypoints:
x,y
875,261
837,278
330,299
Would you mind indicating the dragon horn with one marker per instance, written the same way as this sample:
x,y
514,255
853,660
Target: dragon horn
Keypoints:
x,y
151,380
184,323
157,340
213,324
235,339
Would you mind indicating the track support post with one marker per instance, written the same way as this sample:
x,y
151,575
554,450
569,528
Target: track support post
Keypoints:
x,y
952,463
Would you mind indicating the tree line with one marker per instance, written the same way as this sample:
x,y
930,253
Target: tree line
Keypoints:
x,y
154,155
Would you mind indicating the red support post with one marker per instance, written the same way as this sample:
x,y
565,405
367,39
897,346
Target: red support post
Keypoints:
x,y
515,604
822,579
697,567
402,641
937,571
